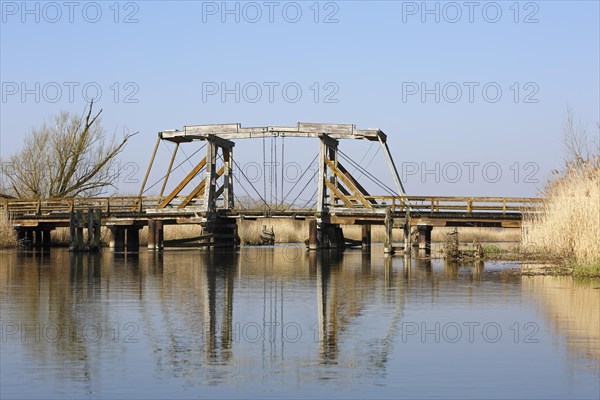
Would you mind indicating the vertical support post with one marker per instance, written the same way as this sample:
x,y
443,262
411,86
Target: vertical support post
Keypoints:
x,y
29,236
407,237
332,155
312,235
46,238
117,242
151,235
389,226
76,229
133,239
93,227
321,183
209,192
97,229
38,238
425,238
366,237
159,236
228,178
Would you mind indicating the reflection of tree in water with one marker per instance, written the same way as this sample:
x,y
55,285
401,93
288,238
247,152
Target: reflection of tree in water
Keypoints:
x,y
59,297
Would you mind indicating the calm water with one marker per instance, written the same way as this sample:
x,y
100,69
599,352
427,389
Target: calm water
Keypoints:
x,y
282,322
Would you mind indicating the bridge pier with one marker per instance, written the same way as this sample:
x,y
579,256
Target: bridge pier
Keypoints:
x,y
37,237
366,237
117,239
407,238
425,237
133,238
77,222
313,241
155,235
388,244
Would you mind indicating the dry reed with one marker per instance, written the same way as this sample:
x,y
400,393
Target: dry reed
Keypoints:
x,y
7,233
568,227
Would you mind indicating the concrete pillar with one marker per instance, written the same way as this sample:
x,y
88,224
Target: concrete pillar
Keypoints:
x,y
133,239
312,235
366,237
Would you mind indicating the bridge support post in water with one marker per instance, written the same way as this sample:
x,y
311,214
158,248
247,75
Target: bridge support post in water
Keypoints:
x,y
425,237
133,238
366,237
407,237
77,222
388,247
313,243
155,235
117,238
330,236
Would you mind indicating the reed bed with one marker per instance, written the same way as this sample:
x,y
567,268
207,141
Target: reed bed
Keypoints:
x,y
568,227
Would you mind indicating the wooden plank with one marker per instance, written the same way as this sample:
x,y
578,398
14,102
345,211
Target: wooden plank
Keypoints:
x,y
183,183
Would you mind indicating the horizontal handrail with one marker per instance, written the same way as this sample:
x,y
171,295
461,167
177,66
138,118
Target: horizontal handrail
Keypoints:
x,y
139,204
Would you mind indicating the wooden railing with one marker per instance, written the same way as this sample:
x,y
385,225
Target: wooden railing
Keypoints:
x,y
436,204
134,204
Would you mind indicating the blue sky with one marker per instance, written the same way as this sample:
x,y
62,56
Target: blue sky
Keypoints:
x,y
366,66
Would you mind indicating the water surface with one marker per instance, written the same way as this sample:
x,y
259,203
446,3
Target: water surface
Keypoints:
x,y
272,322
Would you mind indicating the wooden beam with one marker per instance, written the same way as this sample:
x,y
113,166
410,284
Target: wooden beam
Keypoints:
x,y
164,185
199,190
356,183
150,166
302,129
338,194
183,183
348,184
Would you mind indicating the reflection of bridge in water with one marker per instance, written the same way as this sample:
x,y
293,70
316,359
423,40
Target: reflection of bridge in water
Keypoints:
x,y
198,313
340,197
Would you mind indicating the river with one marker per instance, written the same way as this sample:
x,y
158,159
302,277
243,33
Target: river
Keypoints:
x,y
273,322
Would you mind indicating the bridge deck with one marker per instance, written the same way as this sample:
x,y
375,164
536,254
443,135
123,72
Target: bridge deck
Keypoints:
x,y
432,210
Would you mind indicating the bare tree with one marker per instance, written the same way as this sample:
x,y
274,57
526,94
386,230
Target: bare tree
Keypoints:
x,y
69,158
579,147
